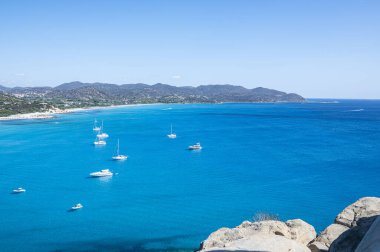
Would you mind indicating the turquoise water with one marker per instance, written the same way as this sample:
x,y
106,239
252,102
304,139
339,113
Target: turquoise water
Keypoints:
x,y
304,161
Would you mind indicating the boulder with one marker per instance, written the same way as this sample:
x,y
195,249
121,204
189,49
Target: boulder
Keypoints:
x,y
364,207
371,240
345,234
317,246
324,240
301,231
350,239
294,231
263,242
349,228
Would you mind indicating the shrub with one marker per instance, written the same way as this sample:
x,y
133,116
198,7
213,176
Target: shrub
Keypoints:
x,y
264,216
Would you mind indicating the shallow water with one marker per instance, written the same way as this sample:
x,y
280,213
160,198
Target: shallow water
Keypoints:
x,y
304,161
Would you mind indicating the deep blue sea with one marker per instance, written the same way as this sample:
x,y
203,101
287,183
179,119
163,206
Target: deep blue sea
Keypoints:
x,y
305,161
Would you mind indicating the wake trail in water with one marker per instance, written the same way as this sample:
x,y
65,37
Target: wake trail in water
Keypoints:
x,y
355,110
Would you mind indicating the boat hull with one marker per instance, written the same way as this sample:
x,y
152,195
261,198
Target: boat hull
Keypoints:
x,y
19,191
100,175
100,143
121,157
195,148
102,135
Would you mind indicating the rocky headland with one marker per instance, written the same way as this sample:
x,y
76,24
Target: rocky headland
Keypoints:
x,y
356,228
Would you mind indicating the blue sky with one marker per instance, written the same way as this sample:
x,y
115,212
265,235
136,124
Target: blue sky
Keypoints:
x,y
318,48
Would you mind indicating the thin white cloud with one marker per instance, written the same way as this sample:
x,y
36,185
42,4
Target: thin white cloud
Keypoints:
x,y
176,77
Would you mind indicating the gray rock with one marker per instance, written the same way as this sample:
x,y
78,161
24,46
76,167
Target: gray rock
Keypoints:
x,y
350,239
295,231
327,237
263,242
317,246
301,231
364,207
349,228
371,240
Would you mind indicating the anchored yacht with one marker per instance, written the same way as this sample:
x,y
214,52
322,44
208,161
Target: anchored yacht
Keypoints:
x,y
19,190
172,135
118,156
196,146
102,134
96,127
99,141
102,173
77,206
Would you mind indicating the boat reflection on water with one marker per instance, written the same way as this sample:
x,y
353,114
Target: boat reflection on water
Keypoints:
x,y
106,179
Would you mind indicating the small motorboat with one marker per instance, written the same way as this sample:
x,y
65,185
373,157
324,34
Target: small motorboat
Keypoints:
x,y
77,206
19,190
196,146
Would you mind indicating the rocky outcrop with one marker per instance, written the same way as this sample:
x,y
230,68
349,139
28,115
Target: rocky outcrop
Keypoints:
x,y
371,240
269,235
262,242
349,227
345,234
326,238
363,208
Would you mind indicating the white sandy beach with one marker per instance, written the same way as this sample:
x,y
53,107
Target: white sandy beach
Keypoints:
x,y
51,113
39,115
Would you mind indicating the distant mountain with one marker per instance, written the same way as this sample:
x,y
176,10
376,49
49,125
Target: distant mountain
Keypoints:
x,y
143,93
79,94
3,89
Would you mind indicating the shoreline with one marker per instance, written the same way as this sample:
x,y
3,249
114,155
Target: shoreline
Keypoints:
x,y
51,114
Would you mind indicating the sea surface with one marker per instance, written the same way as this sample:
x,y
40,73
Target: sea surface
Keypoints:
x,y
305,161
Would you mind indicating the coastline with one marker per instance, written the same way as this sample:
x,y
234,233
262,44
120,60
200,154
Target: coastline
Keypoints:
x,y
38,115
51,113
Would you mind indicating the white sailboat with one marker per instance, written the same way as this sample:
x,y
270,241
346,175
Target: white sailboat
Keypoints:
x,y
99,141
96,127
118,156
172,135
101,134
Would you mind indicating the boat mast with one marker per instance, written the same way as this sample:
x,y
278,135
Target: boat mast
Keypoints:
x,y
118,143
